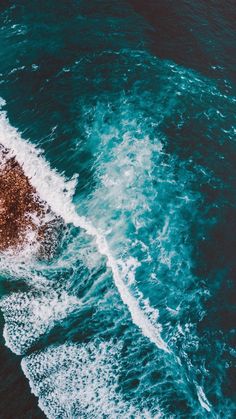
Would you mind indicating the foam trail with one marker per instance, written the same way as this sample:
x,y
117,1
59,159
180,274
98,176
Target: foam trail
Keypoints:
x,y
53,189
30,315
139,318
75,381
203,399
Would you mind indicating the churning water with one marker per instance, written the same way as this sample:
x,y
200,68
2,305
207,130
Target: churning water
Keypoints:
x,y
134,148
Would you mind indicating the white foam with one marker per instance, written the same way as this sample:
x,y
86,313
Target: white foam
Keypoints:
x,y
58,193
73,381
28,315
203,399
150,330
51,187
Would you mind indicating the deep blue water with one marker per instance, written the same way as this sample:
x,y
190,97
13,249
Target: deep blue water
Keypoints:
x,y
132,105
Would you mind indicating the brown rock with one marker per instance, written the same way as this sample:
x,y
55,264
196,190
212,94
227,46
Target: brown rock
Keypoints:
x,y
22,212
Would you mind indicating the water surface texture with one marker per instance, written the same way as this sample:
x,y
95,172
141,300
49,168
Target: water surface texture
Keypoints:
x,y
122,114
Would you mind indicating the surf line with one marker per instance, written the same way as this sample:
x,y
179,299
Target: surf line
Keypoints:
x,y
138,316
57,192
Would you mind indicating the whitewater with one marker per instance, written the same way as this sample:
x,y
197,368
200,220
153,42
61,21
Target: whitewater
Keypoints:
x,y
51,188
129,139
50,306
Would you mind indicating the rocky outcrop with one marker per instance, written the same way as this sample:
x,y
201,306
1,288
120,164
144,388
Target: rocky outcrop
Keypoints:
x,y
24,217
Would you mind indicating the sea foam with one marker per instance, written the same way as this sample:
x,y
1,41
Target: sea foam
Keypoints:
x,y
58,193
74,380
29,315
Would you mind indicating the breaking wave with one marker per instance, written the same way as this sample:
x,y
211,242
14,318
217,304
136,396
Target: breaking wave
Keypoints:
x,y
126,253
58,193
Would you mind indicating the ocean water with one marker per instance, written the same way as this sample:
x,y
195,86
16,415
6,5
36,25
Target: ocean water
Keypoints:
x,y
122,114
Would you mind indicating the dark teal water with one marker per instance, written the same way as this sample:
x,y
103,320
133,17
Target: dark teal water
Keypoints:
x,y
132,106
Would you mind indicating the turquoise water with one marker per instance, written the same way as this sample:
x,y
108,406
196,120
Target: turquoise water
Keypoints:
x,y
134,149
